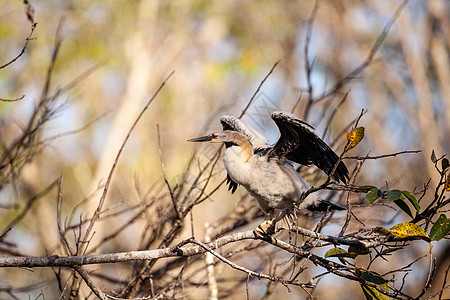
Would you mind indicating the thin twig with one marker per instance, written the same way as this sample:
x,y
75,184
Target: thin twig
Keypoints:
x,y
403,269
87,279
444,286
257,90
333,113
430,275
96,214
62,234
71,132
27,207
369,57
27,40
349,206
172,197
240,268
381,156
308,65
12,100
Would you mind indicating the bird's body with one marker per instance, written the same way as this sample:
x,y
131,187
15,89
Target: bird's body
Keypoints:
x,y
256,173
266,171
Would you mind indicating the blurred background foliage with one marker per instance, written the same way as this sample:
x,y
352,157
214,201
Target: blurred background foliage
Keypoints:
x,y
220,51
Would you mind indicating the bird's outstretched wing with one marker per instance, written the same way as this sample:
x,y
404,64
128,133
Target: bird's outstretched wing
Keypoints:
x,y
256,139
298,142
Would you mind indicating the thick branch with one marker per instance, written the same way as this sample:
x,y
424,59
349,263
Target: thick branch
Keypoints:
x,y
177,250
70,261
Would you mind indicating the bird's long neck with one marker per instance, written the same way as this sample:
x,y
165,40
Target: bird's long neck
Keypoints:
x,y
241,146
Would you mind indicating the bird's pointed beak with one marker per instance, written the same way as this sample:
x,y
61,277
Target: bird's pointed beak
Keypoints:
x,y
206,138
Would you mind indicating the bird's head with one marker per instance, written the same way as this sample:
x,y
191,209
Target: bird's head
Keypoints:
x,y
216,137
227,136
231,139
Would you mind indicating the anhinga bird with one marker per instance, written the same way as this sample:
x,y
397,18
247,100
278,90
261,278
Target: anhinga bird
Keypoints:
x,y
267,171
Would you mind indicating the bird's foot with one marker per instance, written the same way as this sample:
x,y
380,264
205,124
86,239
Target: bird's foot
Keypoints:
x,y
266,228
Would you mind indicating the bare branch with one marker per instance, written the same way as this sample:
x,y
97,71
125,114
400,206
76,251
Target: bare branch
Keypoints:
x,y
96,214
87,279
27,40
369,57
257,90
308,65
240,268
333,113
27,207
12,100
62,234
172,197
381,156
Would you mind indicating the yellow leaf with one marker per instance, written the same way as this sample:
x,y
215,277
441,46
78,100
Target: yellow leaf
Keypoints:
x,y
355,136
404,230
447,184
370,292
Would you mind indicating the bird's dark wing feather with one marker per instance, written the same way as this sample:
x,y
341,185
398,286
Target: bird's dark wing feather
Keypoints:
x,y
229,126
298,142
231,184
234,124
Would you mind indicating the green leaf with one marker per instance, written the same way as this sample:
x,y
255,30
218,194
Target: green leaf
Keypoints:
x,y
367,187
404,207
381,230
411,230
445,164
440,229
359,250
373,195
370,292
394,195
338,252
412,199
373,277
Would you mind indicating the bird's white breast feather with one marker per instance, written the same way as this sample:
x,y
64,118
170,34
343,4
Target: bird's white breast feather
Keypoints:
x,y
274,185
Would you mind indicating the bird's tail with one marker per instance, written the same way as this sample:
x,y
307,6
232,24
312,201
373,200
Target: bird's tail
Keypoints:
x,y
323,205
